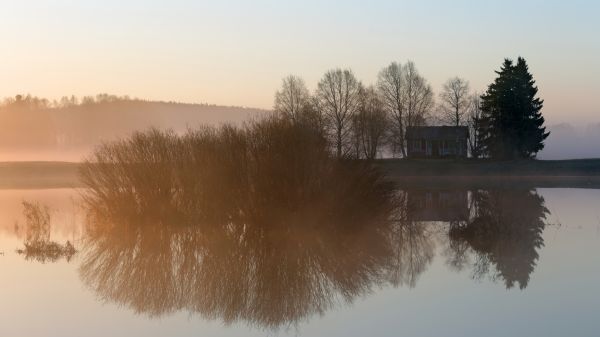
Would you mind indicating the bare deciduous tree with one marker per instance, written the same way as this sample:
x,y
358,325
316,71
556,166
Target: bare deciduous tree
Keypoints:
x,y
419,96
408,99
474,124
293,99
338,99
370,124
455,101
390,84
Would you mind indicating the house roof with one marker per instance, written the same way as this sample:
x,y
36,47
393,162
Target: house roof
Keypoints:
x,y
437,132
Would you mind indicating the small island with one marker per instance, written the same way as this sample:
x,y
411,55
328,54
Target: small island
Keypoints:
x,y
396,126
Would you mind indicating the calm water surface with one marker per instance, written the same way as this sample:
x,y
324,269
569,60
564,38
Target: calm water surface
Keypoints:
x,y
442,262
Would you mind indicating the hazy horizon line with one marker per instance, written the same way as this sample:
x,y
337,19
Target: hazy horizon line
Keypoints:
x,y
126,97
574,122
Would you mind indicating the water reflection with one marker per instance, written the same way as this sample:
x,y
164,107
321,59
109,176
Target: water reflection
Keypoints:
x,y
504,234
232,224
37,245
413,242
447,205
269,241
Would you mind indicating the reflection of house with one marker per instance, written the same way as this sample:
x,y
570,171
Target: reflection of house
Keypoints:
x,y
437,141
447,205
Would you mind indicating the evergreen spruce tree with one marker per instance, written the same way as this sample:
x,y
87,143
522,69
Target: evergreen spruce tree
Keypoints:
x,y
512,125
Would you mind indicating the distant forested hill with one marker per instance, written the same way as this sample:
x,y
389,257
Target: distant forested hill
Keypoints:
x,y
38,129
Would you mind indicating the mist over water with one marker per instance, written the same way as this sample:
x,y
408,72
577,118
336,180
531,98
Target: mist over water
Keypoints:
x,y
567,141
38,130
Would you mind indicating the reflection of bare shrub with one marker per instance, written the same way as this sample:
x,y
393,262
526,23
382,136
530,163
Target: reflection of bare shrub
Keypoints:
x,y
255,224
37,242
47,251
37,221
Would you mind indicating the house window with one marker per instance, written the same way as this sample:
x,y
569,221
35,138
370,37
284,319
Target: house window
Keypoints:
x,y
417,145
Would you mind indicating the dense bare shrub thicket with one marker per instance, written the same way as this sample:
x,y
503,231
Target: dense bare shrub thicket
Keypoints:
x,y
223,171
257,223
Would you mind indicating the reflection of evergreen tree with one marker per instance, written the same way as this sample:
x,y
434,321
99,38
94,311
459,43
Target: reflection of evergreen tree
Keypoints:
x,y
505,233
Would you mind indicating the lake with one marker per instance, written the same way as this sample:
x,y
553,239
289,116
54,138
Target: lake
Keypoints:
x,y
450,262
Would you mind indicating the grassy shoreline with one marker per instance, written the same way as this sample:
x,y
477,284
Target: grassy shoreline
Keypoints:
x,y
489,168
581,173
473,173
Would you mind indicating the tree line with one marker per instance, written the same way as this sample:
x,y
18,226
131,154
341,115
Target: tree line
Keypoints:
x,y
371,121
74,124
35,103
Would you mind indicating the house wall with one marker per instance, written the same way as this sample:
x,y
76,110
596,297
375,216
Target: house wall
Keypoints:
x,y
445,148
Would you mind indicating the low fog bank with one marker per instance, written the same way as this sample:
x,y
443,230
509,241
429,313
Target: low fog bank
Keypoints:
x,y
567,141
35,129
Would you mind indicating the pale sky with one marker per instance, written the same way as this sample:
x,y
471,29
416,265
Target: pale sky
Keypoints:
x,y
236,52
